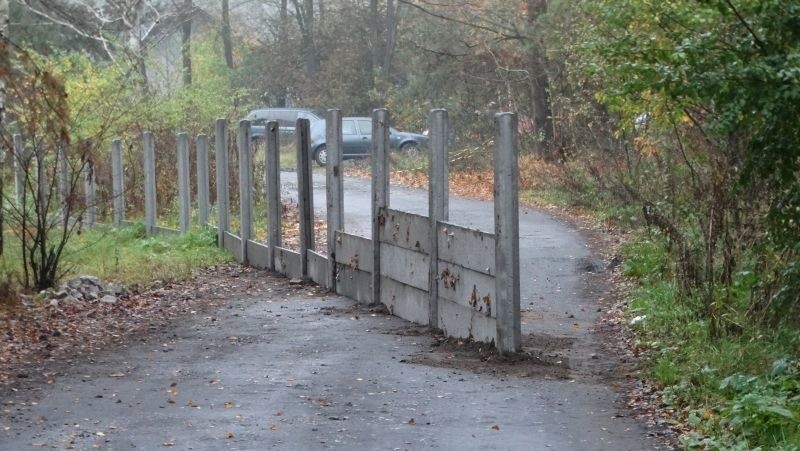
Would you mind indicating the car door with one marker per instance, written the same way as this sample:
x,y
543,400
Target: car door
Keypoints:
x,y
365,128
351,140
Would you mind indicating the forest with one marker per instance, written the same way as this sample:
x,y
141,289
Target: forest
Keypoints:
x,y
675,123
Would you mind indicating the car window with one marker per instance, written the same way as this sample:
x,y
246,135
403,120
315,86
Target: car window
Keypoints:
x,y
366,126
308,115
348,128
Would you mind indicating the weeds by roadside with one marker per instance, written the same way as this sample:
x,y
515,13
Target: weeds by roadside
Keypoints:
x,y
737,391
128,256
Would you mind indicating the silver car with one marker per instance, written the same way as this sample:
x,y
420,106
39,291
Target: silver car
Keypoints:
x,y
357,140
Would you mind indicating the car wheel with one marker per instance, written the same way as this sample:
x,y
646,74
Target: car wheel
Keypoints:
x,y
411,149
321,155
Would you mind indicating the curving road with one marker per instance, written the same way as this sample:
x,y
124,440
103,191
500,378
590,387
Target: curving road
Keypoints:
x,y
274,366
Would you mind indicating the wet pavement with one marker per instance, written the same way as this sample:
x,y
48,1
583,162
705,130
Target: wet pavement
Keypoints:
x,y
294,368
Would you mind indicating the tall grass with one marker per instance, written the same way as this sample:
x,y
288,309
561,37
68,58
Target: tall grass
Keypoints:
x,y
128,256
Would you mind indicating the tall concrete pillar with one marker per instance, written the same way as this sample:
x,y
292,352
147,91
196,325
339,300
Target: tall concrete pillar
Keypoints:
x,y
245,187
334,178
184,196
202,180
380,191
506,230
149,182
273,183
223,197
117,182
437,202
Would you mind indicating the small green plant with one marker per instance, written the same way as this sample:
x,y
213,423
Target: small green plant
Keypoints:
x,y
740,390
128,256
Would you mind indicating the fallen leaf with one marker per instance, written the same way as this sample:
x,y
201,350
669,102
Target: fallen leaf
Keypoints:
x,y
228,405
274,427
170,442
230,435
412,421
495,427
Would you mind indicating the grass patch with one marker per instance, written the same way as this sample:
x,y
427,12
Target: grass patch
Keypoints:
x,y
126,255
738,391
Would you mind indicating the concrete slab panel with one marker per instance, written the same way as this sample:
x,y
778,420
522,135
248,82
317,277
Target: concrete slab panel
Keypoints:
x,y
455,320
257,255
354,251
287,262
233,244
166,230
405,301
406,266
467,288
458,321
470,248
484,328
354,283
318,268
407,230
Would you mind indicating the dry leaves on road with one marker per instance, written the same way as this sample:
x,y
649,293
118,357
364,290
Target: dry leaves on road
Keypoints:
x,y
42,333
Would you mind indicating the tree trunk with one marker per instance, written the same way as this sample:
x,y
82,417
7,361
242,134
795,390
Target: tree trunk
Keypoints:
x,y
305,21
186,42
309,46
5,65
541,114
137,51
283,41
375,31
391,36
227,46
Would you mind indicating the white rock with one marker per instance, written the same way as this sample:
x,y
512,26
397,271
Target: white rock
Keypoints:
x,y
108,299
637,319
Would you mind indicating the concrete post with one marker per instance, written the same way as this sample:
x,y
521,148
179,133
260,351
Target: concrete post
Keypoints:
x,y
89,194
506,229
223,199
334,179
437,202
117,182
380,191
20,160
245,186
184,196
305,194
202,180
149,182
63,179
273,183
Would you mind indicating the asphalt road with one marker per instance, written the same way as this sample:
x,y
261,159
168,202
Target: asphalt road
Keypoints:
x,y
292,368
